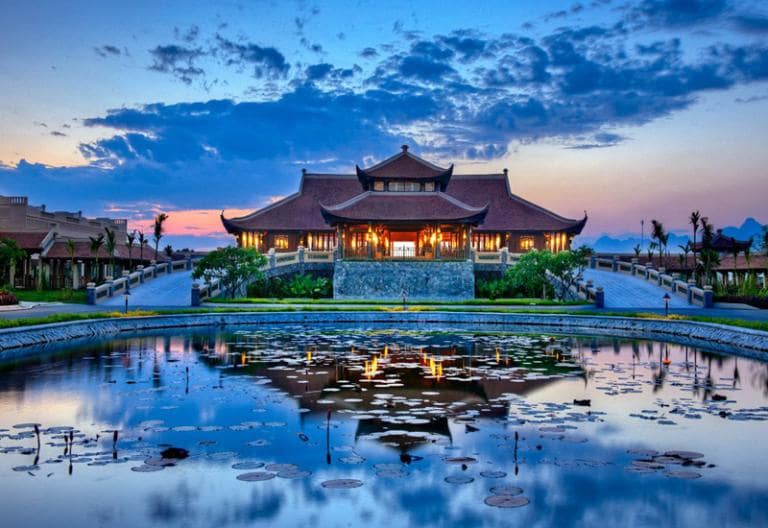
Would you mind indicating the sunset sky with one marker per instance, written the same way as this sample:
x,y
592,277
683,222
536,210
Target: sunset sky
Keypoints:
x,y
629,110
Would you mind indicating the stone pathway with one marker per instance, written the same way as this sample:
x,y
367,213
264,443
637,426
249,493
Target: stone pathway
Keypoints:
x,y
626,291
174,289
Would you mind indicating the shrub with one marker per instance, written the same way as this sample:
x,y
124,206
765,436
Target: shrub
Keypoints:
x,y
298,286
7,298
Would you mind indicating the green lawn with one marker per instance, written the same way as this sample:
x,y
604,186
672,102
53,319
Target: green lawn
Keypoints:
x,y
471,302
77,296
11,323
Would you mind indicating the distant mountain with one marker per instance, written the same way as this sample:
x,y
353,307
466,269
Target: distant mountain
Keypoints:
x,y
625,243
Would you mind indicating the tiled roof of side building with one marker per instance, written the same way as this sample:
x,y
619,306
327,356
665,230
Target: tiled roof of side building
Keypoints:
x,y
404,207
26,240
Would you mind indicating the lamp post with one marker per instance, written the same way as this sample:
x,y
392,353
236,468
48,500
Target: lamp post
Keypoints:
x,y
126,295
666,304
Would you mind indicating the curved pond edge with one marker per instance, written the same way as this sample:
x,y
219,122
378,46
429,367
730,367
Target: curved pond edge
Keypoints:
x,y
723,338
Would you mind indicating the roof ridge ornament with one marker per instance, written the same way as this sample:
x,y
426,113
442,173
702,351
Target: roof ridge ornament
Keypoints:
x,y
404,148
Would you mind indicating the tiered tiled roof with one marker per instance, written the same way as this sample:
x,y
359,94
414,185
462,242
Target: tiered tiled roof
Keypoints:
x,y
483,198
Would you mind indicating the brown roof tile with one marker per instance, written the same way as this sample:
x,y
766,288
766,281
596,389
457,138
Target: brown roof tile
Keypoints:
x,y
26,240
506,211
405,165
404,207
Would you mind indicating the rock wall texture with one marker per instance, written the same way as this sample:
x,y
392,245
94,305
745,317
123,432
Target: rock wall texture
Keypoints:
x,y
421,280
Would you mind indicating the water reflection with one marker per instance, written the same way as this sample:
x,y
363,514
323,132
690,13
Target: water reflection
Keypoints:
x,y
593,431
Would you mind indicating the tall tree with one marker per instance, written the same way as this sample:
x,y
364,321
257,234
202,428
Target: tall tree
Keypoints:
x,y
97,243
158,229
695,221
130,240
662,238
234,267
168,250
110,244
765,239
142,243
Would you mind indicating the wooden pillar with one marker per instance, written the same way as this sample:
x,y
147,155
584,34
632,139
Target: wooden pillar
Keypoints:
x,y
369,240
339,242
469,241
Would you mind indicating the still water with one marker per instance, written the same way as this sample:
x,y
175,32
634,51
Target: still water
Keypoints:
x,y
297,427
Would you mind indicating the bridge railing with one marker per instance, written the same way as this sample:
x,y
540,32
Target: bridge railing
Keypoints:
x,y
699,296
111,287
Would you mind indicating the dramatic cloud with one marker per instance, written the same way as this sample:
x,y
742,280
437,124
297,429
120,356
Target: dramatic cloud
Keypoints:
x,y
461,95
177,60
679,13
265,61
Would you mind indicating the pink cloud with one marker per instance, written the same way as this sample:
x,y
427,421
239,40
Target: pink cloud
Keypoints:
x,y
190,222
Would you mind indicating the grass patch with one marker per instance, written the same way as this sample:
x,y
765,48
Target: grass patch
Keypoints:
x,y
471,302
67,296
84,316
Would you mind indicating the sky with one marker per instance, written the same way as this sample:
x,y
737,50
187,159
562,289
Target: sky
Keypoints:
x,y
628,110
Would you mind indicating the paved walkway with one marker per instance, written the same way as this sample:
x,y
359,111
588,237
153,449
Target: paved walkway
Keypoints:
x,y
626,291
174,289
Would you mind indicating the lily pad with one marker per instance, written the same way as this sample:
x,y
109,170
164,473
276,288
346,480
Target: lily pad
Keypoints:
x,y
459,479
506,501
506,489
342,484
255,476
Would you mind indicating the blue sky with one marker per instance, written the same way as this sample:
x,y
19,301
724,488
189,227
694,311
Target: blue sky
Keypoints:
x,y
629,110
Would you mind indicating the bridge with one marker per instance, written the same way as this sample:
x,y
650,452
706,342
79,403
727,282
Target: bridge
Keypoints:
x,y
609,283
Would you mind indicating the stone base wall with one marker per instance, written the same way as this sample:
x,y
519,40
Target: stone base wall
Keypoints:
x,y
421,280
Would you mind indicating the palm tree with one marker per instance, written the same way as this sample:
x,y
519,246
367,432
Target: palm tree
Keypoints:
x,y
142,243
694,219
657,233
158,229
110,245
637,249
72,251
96,244
130,239
168,251
765,239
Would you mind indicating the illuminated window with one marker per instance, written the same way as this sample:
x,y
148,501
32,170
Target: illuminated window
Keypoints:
x,y
396,186
429,186
281,242
321,241
378,185
526,243
411,186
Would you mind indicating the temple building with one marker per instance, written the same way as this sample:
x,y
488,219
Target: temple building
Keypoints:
x,y
404,208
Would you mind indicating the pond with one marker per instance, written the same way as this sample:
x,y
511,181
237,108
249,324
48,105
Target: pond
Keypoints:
x,y
348,427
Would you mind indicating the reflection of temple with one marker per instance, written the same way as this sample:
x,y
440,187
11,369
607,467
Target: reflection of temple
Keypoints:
x,y
323,380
